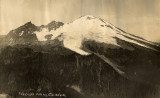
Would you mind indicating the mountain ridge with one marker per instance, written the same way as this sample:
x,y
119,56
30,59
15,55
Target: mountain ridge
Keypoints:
x,y
25,33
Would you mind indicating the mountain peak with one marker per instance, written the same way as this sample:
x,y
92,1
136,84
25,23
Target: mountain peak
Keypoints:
x,y
29,24
22,34
52,22
88,16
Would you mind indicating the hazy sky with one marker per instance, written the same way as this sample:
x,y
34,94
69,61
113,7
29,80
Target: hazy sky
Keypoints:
x,y
140,17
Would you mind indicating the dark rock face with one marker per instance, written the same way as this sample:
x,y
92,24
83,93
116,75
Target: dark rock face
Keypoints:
x,y
54,25
49,36
22,34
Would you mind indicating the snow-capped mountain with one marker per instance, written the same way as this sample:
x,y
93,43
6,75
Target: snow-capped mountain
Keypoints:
x,y
88,33
89,28
81,33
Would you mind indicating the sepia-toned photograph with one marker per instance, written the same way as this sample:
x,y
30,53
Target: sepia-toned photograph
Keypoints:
x,y
79,49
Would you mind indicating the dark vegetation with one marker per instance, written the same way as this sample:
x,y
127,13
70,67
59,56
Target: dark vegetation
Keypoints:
x,y
52,68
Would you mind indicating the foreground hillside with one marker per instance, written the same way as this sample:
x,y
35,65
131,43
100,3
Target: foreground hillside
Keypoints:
x,y
64,71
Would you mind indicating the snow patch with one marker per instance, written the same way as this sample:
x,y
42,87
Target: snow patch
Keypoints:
x,y
77,88
41,35
21,33
3,95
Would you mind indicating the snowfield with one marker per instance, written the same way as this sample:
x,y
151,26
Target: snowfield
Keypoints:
x,y
89,28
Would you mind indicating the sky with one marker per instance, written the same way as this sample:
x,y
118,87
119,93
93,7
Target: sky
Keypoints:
x,y
139,17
